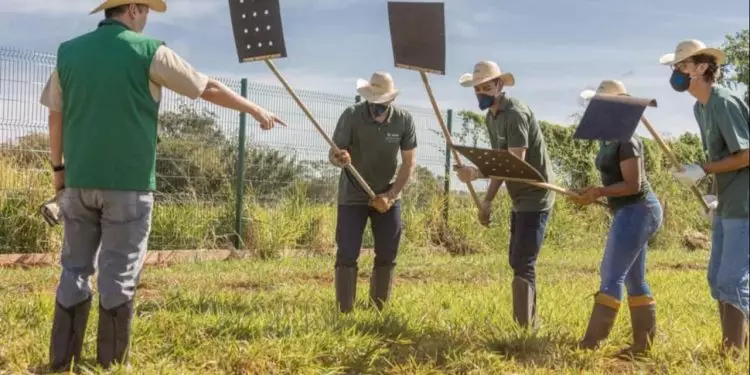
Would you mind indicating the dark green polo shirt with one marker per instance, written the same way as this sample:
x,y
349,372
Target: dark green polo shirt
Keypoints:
x,y
515,125
723,124
608,159
374,149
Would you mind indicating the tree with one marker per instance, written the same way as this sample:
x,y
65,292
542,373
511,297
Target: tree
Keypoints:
x,y
736,72
196,158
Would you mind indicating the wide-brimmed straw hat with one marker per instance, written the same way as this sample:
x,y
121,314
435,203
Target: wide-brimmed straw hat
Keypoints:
x,y
155,5
606,87
691,47
485,71
379,89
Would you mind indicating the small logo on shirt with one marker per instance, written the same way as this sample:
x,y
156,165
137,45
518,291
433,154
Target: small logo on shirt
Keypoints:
x,y
392,137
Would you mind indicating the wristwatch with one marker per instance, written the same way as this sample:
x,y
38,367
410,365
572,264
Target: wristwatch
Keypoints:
x,y
58,168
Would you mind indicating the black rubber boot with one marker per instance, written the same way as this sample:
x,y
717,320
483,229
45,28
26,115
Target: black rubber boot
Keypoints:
x,y
734,329
68,330
380,285
524,303
601,321
643,322
346,288
113,336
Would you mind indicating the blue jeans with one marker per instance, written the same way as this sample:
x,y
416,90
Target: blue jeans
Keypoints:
x,y
728,266
624,258
386,233
526,238
108,229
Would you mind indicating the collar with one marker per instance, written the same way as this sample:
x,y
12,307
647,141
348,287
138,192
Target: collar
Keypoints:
x,y
367,116
112,22
504,104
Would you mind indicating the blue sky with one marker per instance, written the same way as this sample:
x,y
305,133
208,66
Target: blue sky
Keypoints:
x,y
554,48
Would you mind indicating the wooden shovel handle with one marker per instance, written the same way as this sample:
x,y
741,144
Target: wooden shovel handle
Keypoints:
x,y
447,134
302,105
673,158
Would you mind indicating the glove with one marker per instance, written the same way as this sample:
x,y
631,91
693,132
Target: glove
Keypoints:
x,y
381,204
712,204
485,211
690,176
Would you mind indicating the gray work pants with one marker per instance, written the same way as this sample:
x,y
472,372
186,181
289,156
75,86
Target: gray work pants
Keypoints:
x,y
106,230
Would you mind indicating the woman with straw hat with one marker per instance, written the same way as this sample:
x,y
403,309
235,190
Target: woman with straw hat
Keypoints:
x,y
637,216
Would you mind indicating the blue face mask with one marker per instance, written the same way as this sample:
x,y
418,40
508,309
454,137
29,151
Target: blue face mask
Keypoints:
x,y
679,81
378,109
485,101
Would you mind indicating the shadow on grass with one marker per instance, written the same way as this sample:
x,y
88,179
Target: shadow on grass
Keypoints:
x,y
531,349
400,342
85,366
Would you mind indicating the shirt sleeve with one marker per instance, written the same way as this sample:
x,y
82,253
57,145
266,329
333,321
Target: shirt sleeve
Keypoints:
x,y
170,70
733,125
409,140
342,135
518,130
629,150
52,93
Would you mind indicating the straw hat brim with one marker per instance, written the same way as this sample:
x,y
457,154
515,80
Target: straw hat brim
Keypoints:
x,y
670,58
368,93
155,5
468,79
588,94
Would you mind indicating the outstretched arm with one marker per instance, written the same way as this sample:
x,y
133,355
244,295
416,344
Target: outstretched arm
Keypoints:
x,y
171,71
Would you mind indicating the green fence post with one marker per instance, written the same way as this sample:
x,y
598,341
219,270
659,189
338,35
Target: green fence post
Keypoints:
x,y
447,182
239,203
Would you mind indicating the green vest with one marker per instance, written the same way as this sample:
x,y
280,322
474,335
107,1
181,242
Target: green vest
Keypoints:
x,y
109,116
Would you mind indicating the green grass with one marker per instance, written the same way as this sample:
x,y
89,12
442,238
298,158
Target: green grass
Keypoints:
x,y
449,315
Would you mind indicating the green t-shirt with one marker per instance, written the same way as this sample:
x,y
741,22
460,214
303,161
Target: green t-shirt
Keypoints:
x,y
608,159
515,125
723,124
110,117
374,149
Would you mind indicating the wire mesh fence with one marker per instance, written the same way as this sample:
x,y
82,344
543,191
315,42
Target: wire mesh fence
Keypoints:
x,y
198,160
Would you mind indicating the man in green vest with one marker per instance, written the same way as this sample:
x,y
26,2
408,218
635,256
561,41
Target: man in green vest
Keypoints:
x,y
103,100
370,136
722,118
512,126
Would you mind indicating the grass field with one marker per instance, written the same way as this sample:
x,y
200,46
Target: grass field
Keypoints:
x,y
449,315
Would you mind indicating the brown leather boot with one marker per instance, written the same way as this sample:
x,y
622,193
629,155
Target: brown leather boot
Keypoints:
x,y
601,321
734,329
524,312
345,280
643,322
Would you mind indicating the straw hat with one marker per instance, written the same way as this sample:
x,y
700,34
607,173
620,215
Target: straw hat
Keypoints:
x,y
155,5
606,87
689,48
485,71
379,89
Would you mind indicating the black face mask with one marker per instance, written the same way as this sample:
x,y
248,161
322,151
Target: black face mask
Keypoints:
x,y
679,81
485,101
378,109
